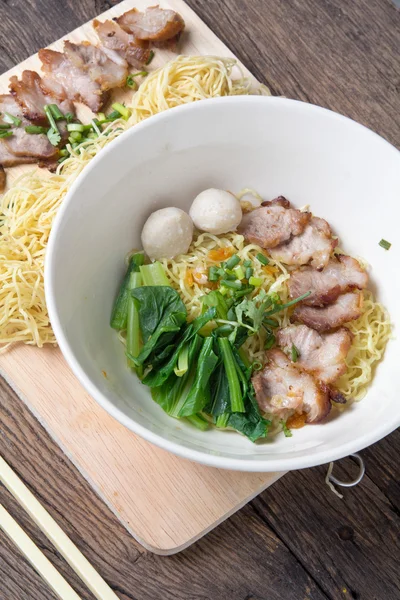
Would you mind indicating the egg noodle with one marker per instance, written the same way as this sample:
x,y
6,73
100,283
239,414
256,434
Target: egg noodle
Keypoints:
x,y
28,208
187,274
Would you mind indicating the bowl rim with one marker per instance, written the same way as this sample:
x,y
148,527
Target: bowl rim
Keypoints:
x,y
317,457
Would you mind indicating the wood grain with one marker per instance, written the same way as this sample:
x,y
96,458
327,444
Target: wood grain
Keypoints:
x,y
283,43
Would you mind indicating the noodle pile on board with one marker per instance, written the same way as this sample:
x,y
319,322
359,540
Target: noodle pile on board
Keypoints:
x,y
28,208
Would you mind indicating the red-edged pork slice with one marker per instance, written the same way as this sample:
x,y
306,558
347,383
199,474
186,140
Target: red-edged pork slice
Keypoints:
x,y
314,245
21,147
341,274
283,389
348,307
322,355
104,66
31,97
112,36
273,223
154,24
65,80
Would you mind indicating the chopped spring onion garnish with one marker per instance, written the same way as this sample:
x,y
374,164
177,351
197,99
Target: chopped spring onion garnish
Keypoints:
x,y
213,274
56,112
263,259
385,244
256,281
269,341
257,366
53,134
96,127
130,80
286,429
122,110
69,117
247,263
11,119
78,127
35,129
5,126
151,56
75,136
4,133
234,285
232,261
114,114
294,353
101,117
249,272
271,322
64,152
238,271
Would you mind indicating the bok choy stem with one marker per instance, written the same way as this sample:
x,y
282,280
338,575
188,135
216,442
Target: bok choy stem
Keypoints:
x,y
237,404
133,342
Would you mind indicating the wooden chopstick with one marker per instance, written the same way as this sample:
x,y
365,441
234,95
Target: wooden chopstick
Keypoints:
x,y
82,567
36,557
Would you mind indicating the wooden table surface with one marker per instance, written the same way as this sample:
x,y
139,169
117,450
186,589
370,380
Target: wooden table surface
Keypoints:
x,y
296,540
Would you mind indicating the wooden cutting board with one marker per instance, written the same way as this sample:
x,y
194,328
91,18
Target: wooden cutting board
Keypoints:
x,y
165,502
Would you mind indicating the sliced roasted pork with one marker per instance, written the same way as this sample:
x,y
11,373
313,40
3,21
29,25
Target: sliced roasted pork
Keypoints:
x,y
112,36
341,274
104,66
283,389
21,147
65,80
154,24
348,307
322,355
31,97
314,245
273,223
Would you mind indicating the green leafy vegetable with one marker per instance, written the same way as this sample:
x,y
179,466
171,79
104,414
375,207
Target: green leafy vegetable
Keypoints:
x,y
151,56
199,393
217,300
262,258
133,335
250,423
228,358
154,274
286,429
35,129
4,133
11,119
119,313
294,353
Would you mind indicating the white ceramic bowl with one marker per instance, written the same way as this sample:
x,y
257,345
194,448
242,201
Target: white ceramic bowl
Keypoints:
x,y
348,175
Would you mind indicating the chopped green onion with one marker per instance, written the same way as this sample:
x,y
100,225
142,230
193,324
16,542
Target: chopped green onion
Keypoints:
x,y
75,136
234,285
256,281
280,307
56,112
238,270
11,119
69,117
247,263
294,353
95,127
113,115
64,152
5,126
213,274
60,160
249,272
269,341
385,244
130,80
101,117
35,129
4,133
257,366
78,127
271,322
286,429
232,261
263,259
122,110
151,56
